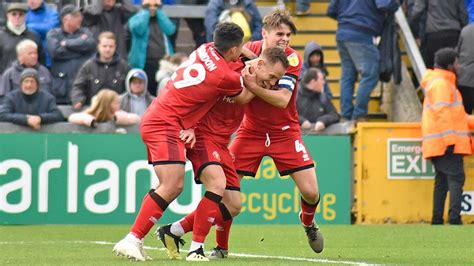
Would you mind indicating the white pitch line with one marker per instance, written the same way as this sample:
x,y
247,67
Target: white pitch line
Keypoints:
x,y
240,255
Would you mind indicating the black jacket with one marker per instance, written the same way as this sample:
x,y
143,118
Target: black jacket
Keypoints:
x,y
314,107
68,59
95,75
17,106
8,43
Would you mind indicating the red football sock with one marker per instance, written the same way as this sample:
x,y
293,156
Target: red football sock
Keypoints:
x,y
206,213
223,224
188,221
151,211
307,212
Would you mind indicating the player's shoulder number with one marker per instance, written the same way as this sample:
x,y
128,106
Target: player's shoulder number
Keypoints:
x,y
193,73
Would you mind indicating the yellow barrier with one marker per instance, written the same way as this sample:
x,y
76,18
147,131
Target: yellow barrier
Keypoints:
x,y
393,182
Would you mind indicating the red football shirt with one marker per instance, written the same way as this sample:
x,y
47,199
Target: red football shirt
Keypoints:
x,y
262,117
224,118
194,88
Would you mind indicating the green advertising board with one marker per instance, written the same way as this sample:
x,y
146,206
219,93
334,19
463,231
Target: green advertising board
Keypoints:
x,y
102,178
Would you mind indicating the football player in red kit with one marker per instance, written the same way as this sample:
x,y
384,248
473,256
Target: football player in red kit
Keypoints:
x,y
212,163
278,135
192,91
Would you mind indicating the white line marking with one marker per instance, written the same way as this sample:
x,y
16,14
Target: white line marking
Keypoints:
x,y
240,255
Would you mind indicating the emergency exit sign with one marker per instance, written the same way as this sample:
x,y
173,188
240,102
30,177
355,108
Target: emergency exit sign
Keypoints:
x,y
405,160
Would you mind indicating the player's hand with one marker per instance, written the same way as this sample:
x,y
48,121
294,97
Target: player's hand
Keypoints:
x,y
319,126
249,54
187,135
306,125
249,77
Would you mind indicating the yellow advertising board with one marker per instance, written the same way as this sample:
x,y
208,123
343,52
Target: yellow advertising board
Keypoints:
x,y
394,184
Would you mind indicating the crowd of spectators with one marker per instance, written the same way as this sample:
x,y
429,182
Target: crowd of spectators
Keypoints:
x,y
129,45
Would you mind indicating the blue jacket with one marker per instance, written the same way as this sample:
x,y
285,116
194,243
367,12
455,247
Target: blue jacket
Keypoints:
x,y
41,20
360,16
470,10
215,8
138,26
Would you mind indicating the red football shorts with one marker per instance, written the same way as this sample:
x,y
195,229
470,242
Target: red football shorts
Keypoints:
x,y
207,152
288,152
163,144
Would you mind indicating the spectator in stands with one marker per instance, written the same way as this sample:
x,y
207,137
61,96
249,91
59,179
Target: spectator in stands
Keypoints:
x,y
445,130
168,66
196,25
14,32
465,77
30,106
41,18
359,22
109,15
419,28
27,57
242,12
444,22
302,7
137,98
315,109
105,70
149,32
470,10
314,57
105,107
69,47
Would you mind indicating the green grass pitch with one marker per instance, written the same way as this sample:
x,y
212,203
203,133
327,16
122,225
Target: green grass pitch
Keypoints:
x,y
250,245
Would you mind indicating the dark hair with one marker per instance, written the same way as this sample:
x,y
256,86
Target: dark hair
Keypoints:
x,y
276,55
227,35
445,57
310,74
278,17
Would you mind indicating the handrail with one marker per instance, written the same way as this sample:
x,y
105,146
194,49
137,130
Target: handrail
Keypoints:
x,y
410,45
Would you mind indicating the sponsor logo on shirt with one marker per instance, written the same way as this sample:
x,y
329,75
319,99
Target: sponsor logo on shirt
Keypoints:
x,y
293,59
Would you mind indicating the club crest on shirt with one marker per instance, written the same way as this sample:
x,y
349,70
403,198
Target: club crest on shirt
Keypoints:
x,y
293,59
216,156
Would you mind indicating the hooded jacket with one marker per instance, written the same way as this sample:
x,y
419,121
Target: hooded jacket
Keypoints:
x,y
132,103
444,121
95,75
309,49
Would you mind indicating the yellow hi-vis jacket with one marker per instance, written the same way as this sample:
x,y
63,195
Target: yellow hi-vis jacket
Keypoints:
x,y
444,120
